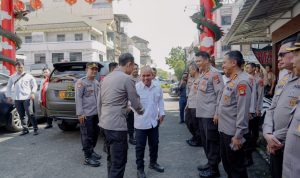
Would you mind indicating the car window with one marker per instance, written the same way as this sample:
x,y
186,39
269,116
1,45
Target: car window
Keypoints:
x,y
67,73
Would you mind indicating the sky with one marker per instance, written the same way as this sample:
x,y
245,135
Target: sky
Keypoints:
x,y
164,23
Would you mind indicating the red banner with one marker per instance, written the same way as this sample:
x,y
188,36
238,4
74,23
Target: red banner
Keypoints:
x,y
264,55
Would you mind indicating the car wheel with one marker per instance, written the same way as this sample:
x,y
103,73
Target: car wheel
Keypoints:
x,y
65,126
14,122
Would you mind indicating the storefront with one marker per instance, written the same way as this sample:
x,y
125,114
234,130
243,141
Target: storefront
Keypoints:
x,y
265,22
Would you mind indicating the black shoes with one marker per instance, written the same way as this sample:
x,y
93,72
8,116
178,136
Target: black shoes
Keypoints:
x,y
181,122
141,174
203,167
209,173
91,162
132,140
95,156
24,132
157,167
35,132
48,127
193,143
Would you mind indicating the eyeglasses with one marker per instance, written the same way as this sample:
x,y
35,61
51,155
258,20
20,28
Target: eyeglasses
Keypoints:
x,y
283,54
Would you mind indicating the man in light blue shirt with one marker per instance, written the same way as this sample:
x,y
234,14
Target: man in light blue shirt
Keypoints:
x,y
146,125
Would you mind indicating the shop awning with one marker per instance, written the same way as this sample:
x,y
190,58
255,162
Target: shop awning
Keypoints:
x,y
254,19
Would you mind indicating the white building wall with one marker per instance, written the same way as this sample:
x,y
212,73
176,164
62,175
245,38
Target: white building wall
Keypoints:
x,y
136,54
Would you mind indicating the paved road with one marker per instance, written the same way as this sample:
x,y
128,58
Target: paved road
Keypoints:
x,y
58,154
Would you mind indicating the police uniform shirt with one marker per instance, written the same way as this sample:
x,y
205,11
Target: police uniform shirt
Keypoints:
x,y
116,90
23,88
285,98
253,87
192,95
291,158
86,92
260,92
209,92
234,106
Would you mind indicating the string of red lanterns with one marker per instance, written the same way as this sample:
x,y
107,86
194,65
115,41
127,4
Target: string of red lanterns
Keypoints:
x,y
37,4
19,5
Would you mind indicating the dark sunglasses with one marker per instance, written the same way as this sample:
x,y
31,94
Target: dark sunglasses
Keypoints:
x,y
283,54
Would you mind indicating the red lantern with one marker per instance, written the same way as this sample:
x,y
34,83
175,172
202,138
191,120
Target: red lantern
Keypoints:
x,y
90,1
36,4
71,2
19,5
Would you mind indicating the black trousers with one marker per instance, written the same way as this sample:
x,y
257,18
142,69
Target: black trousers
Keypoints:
x,y
89,132
192,124
130,123
252,136
23,107
211,143
141,139
276,161
117,147
233,161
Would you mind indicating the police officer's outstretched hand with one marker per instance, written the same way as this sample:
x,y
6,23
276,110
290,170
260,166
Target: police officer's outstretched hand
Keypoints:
x,y
81,119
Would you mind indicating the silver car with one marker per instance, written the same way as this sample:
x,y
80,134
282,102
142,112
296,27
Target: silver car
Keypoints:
x,y
60,99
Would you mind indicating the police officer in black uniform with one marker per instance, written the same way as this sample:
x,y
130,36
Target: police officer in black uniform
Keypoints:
x,y
86,94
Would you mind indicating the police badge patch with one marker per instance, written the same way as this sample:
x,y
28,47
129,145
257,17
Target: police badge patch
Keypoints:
x,y
242,89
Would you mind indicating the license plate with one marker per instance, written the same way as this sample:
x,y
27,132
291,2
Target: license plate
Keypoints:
x,y
66,94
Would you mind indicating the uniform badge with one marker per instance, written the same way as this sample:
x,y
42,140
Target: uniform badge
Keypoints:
x,y
293,102
231,84
242,89
203,85
251,81
216,78
226,99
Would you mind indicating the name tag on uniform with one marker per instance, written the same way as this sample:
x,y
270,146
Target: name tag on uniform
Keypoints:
x,y
293,102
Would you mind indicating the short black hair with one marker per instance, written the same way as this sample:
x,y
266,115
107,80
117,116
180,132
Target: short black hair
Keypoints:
x,y
125,58
253,65
45,68
154,69
290,40
112,66
268,65
202,54
19,63
136,64
237,56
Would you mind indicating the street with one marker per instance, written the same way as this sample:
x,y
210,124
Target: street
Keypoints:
x,y
58,154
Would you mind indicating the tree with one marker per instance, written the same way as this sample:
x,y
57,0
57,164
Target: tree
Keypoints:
x,y
162,74
176,61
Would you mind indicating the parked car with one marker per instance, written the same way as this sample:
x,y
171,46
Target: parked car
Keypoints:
x,y
174,90
60,97
9,117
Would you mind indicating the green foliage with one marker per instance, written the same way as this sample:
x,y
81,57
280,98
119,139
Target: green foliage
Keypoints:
x,y
165,85
162,74
176,61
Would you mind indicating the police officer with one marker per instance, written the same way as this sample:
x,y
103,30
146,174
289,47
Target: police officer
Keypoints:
x,y
86,91
253,119
291,158
117,89
208,96
130,115
276,119
190,110
233,115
